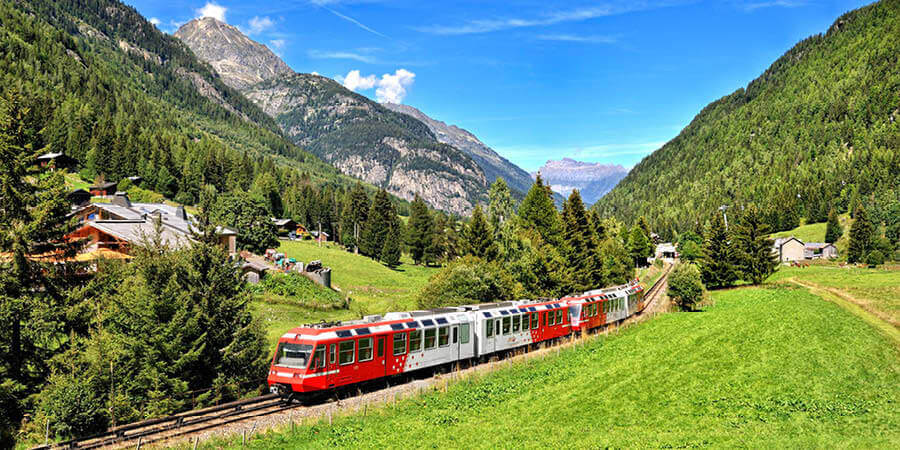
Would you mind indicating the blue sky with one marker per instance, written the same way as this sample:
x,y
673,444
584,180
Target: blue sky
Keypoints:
x,y
606,81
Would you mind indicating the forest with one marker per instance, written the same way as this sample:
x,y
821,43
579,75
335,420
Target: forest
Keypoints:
x,y
820,129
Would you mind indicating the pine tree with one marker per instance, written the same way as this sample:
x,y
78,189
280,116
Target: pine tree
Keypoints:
x,y
833,229
756,259
354,216
717,264
478,237
579,246
380,217
639,246
420,229
537,212
862,234
500,207
436,247
391,252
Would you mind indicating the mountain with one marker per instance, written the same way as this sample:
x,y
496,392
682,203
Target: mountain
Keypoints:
x,y
107,88
593,181
240,61
360,137
493,165
819,129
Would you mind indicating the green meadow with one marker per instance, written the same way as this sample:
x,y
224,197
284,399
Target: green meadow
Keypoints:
x,y
771,366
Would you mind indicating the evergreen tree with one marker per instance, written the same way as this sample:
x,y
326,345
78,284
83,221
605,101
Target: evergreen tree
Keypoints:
x,y
420,230
265,188
579,246
500,207
862,234
756,259
354,216
380,219
247,216
34,218
478,237
537,212
717,264
833,229
639,246
391,252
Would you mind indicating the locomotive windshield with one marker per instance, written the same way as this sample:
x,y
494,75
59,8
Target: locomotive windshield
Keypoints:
x,y
295,356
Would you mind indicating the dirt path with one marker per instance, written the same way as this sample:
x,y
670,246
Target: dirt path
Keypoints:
x,y
855,306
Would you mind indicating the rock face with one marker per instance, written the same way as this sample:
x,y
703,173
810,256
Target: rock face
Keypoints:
x,y
355,134
239,60
368,141
493,165
593,181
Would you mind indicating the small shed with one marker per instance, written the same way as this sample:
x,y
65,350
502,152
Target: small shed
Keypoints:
x,y
321,238
285,226
56,161
80,197
666,250
108,188
818,250
253,272
789,249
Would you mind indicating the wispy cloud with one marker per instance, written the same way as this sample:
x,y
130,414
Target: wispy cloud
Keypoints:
x,y
277,44
553,18
320,54
258,24
155,21
591,39
355,22
754,5
213,10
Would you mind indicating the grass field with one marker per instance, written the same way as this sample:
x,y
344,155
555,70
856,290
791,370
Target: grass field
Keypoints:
x,y
372,287
876,290
815,232
773,366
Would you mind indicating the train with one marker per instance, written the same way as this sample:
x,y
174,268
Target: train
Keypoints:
x,y
322,358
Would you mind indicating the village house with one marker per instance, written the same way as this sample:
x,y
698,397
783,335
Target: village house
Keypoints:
x,y
789,249
666,250
56,161
107,188
817,250
118,225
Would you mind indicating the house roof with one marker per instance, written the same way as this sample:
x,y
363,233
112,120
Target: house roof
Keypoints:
x,y
139,231
106,185
781,241
666,247
50,156
817,245
281,222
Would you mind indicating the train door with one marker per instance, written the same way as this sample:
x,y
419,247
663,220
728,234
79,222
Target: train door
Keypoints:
x,y
381,356
454,342
331,371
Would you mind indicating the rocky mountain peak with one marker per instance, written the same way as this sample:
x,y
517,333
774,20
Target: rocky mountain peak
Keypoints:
x,y
241,61
593,180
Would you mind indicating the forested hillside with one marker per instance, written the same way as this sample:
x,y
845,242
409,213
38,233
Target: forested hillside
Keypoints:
x,y
819,129
107,88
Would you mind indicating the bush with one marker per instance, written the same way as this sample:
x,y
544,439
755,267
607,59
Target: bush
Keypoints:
x,y
875,258
468,280
296,286
686,287
691,251
658,263
139,195
72,405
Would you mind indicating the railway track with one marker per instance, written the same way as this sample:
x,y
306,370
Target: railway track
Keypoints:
x,y
196,421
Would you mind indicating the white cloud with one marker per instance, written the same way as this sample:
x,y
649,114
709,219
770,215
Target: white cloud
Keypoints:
x,y
212,10
155,21
319,54
259,24
314,73
391,88
593,39
572,15
355,82
278,44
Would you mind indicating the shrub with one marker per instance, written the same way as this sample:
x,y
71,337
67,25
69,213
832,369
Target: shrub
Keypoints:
x,y
686,287
875,258
468,280
298,287
658,263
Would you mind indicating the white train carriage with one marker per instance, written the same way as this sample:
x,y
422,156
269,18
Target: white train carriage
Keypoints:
x,y
436,337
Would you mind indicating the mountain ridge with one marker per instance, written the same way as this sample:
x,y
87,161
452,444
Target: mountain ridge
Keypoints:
x,y
593,180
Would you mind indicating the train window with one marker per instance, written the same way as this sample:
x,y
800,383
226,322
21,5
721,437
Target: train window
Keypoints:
x,y
559,317
430,335
345,352
464,333
365,349
293,355
318,358
488,328
534,321
415,341
455,335
444,336
332,354
399,344
506,325
380,347
516,320
551,318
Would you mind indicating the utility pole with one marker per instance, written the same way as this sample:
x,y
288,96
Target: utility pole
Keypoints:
x,y
725,216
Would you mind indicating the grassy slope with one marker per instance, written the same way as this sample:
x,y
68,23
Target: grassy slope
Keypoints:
x,y
372,286
876,289
763,367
